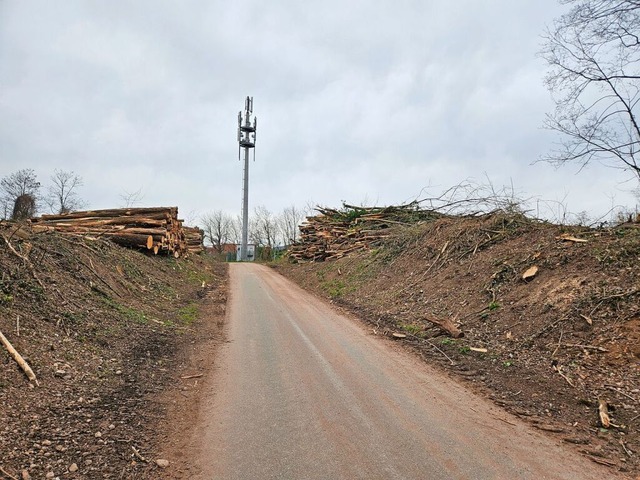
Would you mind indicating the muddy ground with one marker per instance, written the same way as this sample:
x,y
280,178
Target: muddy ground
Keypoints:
x,y
108,333
549,348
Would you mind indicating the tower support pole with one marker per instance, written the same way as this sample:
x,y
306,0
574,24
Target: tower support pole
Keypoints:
x,y
245,208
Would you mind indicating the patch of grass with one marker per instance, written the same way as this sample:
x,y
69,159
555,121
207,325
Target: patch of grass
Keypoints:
x,y
413,329
334,288
198,277
30,287
447,341
464,349
164,289
188,314
132,271
5,299
129,313
493,306
507,363
75,317
135,315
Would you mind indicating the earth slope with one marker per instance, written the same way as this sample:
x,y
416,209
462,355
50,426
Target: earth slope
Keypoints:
x,y
107,331
550,347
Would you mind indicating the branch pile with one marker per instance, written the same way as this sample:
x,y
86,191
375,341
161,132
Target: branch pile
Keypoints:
x,y
335,233
156,229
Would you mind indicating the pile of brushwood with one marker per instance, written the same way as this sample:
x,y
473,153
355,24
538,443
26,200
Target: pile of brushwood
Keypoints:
x,y
542,318
335,233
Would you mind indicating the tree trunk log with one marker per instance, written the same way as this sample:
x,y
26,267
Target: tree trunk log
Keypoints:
x,y
18,358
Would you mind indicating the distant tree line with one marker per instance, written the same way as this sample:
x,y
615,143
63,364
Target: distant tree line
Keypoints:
x,y
266,229
21,196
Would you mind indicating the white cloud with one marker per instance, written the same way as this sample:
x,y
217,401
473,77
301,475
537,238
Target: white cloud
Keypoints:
x,y
355,100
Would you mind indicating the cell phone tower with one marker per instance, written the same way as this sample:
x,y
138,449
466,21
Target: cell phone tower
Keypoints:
x,y
246,141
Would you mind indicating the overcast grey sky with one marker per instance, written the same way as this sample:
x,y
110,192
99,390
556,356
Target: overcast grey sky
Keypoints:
x,y
363,101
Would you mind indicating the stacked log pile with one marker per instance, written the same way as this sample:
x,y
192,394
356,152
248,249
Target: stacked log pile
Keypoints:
x,y
194,237
335,233
156,229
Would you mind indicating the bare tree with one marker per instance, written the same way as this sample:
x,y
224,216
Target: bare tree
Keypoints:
x,y
594,56
131,199
63,192
217,227
5,208
22,182
264,228
235,229
288,221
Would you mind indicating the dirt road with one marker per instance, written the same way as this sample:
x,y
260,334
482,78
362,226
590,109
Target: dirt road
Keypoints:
x,y
301,392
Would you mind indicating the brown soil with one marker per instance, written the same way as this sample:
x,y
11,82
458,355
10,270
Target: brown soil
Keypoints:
x,y
555,345
108,332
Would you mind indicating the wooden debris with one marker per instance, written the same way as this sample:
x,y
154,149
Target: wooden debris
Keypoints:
x,y
530,273
603,411
137,454
477,349
18,358
448,326
587,319
155,229
334,234
558,369
602,461
624,447
550,428
398,335
25,260
565,237
7,474
585,347
197,375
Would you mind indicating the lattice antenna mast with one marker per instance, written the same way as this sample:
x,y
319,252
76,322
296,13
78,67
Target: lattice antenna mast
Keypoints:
x,y
246,142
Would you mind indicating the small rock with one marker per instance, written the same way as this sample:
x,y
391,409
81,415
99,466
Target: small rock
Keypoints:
x,y
46,442
98,435
73,468
118,372
50,475
26,475
162,463
112,426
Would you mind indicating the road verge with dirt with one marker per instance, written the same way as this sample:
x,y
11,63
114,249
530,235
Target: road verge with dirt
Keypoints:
x,y
107,332
547,317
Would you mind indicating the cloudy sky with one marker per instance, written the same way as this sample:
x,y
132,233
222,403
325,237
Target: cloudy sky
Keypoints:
x,y
363,101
